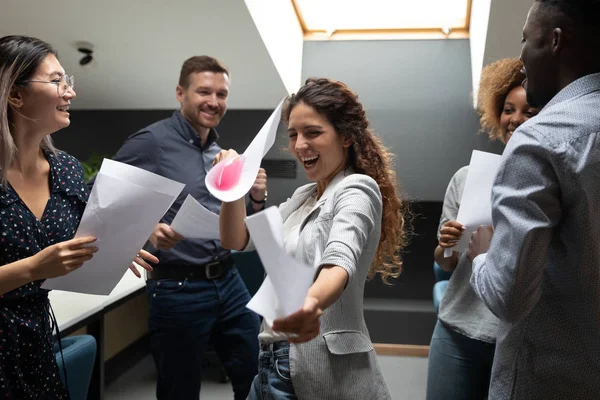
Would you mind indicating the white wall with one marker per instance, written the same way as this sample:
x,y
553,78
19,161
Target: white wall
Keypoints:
x,y
496,27
140,46
282,34
480,16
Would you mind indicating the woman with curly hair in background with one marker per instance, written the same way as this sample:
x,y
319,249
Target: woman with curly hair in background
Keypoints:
x,y
353,218
463,342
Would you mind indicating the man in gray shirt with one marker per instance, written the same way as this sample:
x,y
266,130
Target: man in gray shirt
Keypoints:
x,y
541,273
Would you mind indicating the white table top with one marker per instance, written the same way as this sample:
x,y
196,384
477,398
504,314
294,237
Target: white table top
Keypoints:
x,y
127,285
71,308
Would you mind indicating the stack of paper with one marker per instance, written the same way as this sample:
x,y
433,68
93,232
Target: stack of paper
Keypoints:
x,y
125,205
285,288
194,221
476,202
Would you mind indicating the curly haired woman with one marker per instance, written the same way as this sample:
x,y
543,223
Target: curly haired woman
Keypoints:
x,y
352,214
463,342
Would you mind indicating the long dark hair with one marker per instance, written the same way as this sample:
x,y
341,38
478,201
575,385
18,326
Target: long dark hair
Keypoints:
x,y
340,105
20,56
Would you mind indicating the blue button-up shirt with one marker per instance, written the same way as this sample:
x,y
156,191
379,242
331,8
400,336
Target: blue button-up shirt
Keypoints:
x,y
172,148
541,275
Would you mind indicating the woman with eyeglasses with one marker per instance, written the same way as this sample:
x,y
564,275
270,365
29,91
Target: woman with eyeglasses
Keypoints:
x,y
42,198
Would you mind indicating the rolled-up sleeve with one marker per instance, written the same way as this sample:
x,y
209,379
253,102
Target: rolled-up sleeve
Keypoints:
x,y
525,209
357,210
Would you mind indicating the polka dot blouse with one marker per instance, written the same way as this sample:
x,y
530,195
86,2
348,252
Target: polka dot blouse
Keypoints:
x,y
28,368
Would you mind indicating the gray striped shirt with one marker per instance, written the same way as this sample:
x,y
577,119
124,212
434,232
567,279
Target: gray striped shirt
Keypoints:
x,y
541,275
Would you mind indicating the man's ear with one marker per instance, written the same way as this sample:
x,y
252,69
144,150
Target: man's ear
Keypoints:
x,y
179,90
558,40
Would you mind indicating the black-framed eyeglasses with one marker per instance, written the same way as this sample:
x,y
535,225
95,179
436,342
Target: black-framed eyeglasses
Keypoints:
x,y
62,84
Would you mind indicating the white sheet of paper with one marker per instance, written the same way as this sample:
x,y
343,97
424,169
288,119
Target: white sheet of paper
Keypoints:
x,y
476,202
284,290
265,302
125,205
194,221
252,157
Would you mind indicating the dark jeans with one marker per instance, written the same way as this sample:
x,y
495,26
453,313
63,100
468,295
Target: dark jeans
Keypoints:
x,y
459,367
184,316
273,381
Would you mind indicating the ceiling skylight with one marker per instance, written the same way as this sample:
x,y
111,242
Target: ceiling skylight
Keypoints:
x,y
328,18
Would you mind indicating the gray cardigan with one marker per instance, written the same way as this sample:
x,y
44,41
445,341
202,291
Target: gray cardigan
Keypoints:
x,y
345,227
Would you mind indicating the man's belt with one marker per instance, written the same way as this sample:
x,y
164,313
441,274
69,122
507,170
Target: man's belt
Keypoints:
x,y
209,271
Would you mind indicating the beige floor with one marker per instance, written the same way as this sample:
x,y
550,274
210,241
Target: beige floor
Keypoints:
x,y
405,376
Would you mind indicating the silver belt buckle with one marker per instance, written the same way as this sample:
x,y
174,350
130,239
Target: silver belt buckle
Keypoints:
x,y
207,270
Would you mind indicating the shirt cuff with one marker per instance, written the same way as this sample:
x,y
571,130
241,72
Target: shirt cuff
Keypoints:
x,y
478,262
477,265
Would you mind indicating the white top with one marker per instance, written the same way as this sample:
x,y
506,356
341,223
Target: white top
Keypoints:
x,y
291,234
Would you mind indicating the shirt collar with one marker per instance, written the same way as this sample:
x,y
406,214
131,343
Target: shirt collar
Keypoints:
x,y
187,131
60,163
582,86
334,182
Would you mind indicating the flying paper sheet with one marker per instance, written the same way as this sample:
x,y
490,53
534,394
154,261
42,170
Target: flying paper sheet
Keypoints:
x,y
284,290
194,221
476,203
125,205
231,179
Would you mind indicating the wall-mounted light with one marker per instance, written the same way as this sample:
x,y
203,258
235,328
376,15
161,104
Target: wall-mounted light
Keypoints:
x,y
87,49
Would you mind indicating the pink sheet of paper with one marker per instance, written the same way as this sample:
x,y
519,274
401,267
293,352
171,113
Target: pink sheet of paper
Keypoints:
x,y
234,180
228,173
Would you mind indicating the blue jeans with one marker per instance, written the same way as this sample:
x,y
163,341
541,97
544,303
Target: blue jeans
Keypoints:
x,y
459,367
273,381
184,316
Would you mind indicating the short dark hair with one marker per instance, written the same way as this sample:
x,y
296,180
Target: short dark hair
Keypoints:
x,y
580,12
200,64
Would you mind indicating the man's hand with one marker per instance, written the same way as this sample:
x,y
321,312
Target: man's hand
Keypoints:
x,y
163,237
142,259
480,241
258,191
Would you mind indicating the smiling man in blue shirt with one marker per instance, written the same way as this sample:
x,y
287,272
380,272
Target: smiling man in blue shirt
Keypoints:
x,y
195,294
